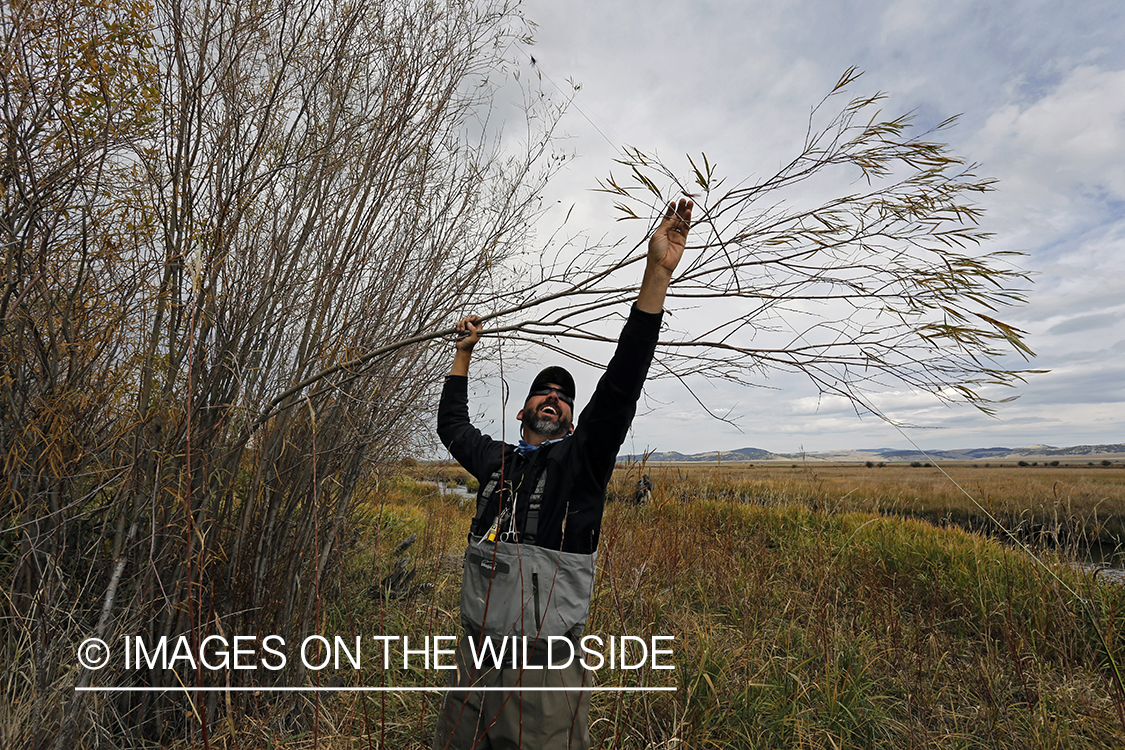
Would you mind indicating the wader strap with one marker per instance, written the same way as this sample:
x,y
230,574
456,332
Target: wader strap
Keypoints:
x,y
493,483
532,525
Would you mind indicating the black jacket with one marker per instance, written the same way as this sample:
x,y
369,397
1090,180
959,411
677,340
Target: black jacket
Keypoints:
x,y
579,467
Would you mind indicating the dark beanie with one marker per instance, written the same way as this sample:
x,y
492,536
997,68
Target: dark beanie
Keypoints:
x,y
556,375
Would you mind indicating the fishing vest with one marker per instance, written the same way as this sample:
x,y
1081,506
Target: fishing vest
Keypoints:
x,y
517,588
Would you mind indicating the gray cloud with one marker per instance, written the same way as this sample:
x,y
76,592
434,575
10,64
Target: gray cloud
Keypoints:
x,y
1086,323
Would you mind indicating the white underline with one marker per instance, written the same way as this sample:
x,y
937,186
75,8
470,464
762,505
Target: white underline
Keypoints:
x,y
211,689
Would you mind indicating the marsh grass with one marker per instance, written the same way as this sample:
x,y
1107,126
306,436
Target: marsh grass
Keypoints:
x,y
1065,504
797,623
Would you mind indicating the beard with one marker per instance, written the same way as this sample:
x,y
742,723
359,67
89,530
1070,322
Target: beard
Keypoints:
x,y
545,426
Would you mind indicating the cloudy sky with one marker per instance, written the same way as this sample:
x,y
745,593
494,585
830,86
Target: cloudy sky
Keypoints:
x,y
1040,88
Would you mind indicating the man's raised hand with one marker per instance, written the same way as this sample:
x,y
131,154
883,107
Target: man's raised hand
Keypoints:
x,y
468,332
665,248
666,245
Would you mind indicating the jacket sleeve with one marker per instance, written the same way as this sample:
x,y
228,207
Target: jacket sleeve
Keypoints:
x,y
604,423
472,449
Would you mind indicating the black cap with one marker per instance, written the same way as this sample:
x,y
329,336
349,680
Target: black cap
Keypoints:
x,y
556,375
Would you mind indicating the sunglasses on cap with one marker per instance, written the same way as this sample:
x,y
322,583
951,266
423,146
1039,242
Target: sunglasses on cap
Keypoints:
x,y
547,391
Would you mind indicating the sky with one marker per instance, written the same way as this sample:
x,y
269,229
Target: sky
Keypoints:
x,y
1040,91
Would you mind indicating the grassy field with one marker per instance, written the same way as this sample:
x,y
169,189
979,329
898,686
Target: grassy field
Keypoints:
x,y
1070,504
803,616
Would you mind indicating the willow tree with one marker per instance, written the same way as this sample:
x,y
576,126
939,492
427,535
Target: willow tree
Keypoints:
x,y
76,87
205,203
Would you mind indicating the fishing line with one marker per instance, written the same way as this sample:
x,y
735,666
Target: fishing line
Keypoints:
x,y
504,393
1087,605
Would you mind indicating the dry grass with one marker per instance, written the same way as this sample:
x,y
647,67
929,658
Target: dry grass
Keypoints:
x,y
794,626
801,619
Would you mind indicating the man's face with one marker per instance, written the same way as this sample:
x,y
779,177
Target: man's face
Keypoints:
x,y
547,414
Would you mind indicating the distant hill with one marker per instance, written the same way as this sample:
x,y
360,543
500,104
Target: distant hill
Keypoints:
x,y
742,454
893,454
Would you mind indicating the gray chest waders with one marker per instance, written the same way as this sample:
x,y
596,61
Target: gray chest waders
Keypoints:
x,y
518,588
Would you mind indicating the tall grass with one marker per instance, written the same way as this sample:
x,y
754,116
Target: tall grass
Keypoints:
x,y
801,628
793,626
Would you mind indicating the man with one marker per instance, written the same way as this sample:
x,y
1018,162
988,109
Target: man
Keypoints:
x,y
529,565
